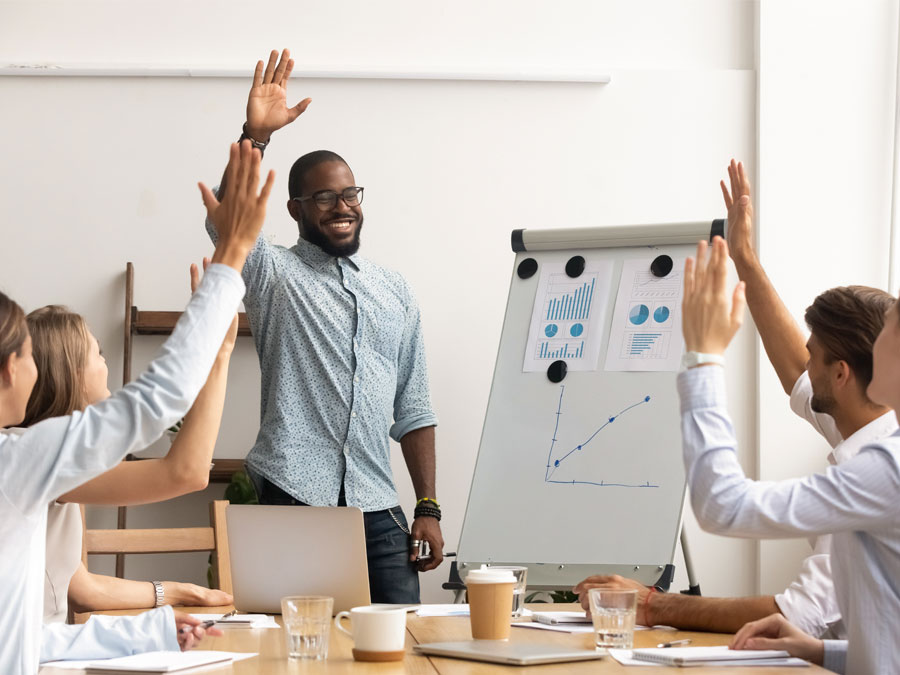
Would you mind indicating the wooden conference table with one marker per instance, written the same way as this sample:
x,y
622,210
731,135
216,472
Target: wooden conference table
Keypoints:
x,y
272,658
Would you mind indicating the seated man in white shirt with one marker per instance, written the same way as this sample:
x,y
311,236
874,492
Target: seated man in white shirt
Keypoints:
x,y
826,378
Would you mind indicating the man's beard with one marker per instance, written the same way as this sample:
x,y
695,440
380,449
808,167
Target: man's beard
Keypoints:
x,y
315,236
822,403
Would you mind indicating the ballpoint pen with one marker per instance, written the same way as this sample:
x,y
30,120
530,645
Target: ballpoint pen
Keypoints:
x,y
208,623
673,643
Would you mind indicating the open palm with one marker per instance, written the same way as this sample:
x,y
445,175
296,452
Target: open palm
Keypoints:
x,y
267,109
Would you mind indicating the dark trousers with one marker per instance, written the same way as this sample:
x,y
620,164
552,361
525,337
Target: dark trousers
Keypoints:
x,y
392,577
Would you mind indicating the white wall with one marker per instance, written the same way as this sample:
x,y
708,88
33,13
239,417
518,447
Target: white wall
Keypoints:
x,y
827,81
100,171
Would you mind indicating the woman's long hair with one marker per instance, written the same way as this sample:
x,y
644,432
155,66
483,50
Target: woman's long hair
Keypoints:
x,y
60,344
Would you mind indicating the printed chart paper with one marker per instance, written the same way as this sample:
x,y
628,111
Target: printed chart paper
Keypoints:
x,y
568,317
646,326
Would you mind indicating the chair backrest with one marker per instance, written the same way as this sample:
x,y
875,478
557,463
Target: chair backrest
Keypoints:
x,y
170,540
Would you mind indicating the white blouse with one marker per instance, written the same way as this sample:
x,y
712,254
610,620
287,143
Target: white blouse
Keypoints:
x,y
59,454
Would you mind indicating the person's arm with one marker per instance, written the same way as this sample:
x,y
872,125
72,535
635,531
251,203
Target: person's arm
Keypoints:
x,y
267,112
58,454
418,451
784,342
413,428
185,468
90,592
105,637
687,612
860,494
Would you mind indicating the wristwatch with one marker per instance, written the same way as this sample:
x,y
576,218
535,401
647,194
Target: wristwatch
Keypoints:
x,y
691,359
160,593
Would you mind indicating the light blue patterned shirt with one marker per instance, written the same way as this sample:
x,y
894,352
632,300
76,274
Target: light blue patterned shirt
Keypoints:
x,y
343,369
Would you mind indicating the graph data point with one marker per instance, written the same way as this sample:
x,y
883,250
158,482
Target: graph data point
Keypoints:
x,y
646,399
612,419
579,447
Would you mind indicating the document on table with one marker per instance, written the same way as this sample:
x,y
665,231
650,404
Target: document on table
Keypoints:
x,y
707,656
460,609
240,620
154,662
646,326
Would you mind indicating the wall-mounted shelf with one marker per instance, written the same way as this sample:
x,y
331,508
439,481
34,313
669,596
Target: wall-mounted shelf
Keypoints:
x,y
144,322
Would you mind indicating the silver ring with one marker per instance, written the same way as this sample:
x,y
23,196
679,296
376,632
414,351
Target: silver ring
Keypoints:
x,y
415,542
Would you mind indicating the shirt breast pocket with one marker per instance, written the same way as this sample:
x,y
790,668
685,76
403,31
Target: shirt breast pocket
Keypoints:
x,y
385,330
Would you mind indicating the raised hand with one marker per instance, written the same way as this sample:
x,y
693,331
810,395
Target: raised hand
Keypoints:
x,y
740,211
238,218
709,317
230,337
267,109
776,632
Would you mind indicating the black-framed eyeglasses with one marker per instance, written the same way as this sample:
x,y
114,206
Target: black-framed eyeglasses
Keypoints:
x,y
327,199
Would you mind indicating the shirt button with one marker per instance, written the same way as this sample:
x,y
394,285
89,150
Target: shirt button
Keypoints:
x,y
356,379
353,414
346,448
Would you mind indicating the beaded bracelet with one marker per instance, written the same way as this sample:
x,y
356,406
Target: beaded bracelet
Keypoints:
x,y
428,512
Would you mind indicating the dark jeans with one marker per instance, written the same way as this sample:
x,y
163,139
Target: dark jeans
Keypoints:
x,y
392,577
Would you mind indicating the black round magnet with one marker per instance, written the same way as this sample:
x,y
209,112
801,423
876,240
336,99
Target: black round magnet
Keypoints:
x,y
661,266
527,268
575,266
556,372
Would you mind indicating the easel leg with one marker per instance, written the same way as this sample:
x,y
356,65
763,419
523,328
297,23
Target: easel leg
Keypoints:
x,y
693,585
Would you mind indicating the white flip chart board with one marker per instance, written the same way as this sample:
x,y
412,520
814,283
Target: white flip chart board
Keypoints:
x,y
584,475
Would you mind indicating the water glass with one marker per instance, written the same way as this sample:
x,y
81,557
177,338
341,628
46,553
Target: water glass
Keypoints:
x,y
521,574
307,625
613,614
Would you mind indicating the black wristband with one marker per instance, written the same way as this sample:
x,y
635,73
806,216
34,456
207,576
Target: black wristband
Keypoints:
x,y
427,511
259,145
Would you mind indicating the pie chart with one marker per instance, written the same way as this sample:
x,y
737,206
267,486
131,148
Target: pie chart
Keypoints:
x,y
661,314
576,329
550,330
638,314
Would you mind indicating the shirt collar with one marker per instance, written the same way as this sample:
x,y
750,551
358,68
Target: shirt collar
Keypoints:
x,y
877,429
314,256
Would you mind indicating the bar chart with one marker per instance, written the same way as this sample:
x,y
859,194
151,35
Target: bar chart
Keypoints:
x,y
567,350
648,344
567,301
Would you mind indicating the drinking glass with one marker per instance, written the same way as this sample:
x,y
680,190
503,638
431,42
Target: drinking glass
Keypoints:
x,y
613,614
521,574
307,625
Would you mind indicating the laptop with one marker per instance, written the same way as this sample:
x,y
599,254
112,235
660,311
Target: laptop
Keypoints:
x,y
296,550
508,653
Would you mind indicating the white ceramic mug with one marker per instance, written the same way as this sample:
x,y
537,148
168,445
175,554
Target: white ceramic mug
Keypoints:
x,y
378,633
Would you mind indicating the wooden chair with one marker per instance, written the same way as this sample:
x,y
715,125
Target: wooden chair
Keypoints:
x,y
170,540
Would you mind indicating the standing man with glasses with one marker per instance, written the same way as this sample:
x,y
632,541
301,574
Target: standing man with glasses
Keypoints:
x,y
340,348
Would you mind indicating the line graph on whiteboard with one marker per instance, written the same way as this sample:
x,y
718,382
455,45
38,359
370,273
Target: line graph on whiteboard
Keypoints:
x,y
557,457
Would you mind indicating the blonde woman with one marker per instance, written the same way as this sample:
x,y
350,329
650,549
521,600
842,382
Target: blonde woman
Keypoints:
x,y
72,374
53,457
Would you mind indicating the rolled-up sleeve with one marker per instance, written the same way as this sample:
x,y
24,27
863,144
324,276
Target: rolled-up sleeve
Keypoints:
x,y
412,402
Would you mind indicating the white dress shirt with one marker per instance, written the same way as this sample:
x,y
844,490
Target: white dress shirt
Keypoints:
x,y
857,502
809,601
61,453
